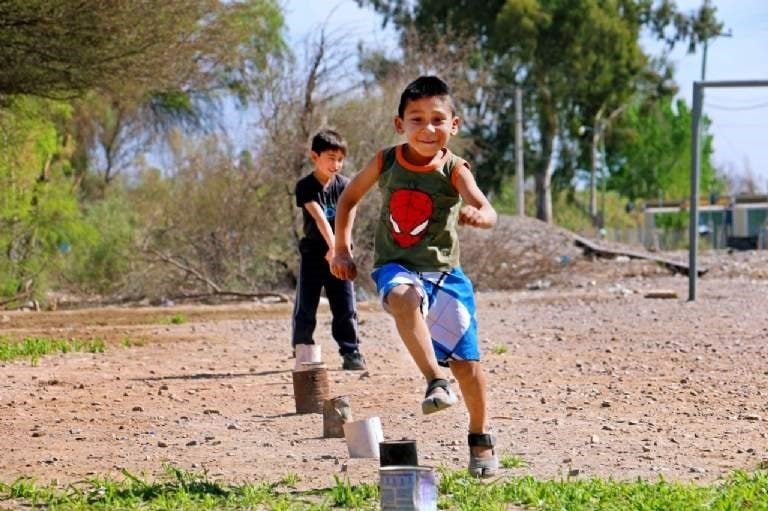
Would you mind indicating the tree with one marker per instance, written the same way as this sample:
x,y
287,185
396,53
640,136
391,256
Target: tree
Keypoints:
x,y
63,48
117,121
579,61
654,144
40,220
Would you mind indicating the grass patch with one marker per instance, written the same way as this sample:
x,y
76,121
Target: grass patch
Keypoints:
x,y
35,347
290,479
176,319
179,489
510,461
129,342
499,350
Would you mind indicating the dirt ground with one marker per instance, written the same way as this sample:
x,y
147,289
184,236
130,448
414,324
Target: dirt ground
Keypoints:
x,y
587,377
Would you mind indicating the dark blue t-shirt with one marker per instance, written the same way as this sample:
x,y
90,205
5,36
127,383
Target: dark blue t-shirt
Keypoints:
x,y
309,189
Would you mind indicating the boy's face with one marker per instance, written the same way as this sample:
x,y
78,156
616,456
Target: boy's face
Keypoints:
x,y
328,162
428,124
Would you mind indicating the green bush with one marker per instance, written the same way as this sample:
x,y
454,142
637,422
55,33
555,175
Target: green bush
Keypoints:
x,y
39,211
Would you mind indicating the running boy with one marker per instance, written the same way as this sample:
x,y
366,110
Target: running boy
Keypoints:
x,y
317,194
426,191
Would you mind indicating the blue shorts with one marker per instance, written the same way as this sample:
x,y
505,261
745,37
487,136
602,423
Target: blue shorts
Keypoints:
x,y
448,303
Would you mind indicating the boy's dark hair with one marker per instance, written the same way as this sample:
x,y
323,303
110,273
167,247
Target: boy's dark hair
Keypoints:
x,y
424,87
328,140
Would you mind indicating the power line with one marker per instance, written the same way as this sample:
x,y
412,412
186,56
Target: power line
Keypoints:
x,y
736,108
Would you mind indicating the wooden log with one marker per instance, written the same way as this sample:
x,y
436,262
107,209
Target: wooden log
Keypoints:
x,y
592,248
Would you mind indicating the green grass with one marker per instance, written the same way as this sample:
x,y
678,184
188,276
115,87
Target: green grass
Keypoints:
x,y
509,461
499,350
290,479
35,347
128,342
456,491
177,319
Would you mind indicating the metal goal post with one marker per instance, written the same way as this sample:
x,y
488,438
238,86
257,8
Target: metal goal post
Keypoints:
x,y
693,231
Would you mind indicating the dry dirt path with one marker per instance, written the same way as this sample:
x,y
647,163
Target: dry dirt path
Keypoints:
x,y
590,379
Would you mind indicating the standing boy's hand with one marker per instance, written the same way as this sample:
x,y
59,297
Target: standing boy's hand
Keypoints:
x,y
343,265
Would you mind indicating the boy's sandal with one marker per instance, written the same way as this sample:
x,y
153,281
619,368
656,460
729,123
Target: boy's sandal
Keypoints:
x,y
438,396
487,466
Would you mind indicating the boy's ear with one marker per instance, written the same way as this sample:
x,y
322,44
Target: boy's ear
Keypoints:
x,y
313,156
399,125
455,123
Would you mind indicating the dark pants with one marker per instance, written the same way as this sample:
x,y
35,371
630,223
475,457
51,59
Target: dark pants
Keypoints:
x,y
314,275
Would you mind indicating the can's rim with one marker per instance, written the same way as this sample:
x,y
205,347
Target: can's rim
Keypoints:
x,y
405,468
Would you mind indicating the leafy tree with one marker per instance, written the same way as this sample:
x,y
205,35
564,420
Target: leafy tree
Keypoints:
x,y
654,144
40,220
134,68
579,60
56,48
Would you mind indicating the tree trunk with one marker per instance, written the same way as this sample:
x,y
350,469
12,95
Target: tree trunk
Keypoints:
x,y
544,191
548,130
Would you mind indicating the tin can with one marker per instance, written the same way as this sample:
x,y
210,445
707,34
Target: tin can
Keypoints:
x,y
310,389
398,452
406,488
363,437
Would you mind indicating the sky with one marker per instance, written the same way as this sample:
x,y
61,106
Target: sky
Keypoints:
x,y
739,116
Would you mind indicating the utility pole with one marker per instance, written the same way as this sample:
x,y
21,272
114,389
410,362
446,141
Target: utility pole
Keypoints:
x,y
519,168
704,58
706,47
597,160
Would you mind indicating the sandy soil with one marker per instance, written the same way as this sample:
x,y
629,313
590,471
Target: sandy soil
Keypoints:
x,y
587,377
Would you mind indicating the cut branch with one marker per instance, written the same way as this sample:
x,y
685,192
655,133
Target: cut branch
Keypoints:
x,y
184,267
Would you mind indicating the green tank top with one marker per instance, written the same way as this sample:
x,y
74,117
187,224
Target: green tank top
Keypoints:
x,y
420,208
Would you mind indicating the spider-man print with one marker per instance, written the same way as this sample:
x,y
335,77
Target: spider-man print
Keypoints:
x,y
410,212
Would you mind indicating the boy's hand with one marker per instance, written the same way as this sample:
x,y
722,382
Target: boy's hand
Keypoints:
x,y
343,265
470,215
329,255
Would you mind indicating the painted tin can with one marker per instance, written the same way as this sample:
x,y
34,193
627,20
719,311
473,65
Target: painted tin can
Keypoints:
x,y
406,488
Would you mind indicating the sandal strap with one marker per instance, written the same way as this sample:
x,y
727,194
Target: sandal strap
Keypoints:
x,y
481,440
437,382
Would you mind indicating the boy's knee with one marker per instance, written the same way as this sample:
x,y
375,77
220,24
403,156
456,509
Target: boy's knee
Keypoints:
x,y
466,369
402,299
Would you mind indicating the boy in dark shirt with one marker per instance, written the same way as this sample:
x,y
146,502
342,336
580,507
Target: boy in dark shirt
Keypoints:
x,y
317,194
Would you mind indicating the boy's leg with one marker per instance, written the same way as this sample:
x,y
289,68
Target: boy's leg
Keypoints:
x,y
404,303
404,297
341,299
453,324
471,380
307,299
483,461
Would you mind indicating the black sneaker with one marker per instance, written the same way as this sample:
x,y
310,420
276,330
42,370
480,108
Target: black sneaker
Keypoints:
x,y
353,361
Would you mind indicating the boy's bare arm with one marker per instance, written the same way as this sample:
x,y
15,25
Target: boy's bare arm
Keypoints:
x,y
342,264
317,213
477,210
